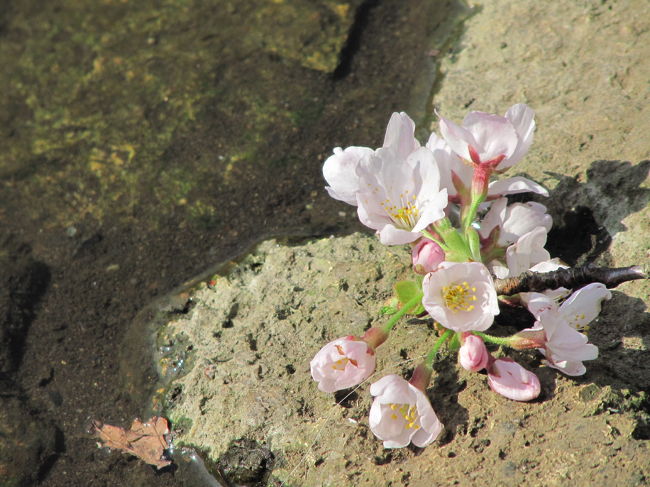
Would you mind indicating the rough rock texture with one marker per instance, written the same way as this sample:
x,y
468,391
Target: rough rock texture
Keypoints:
x,y
583,67
253,331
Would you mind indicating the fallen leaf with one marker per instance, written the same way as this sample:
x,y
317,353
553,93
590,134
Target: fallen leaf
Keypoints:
x,y
144,440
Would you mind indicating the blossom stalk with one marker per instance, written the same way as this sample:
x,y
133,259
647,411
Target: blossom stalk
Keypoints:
x,y
431,356
408,306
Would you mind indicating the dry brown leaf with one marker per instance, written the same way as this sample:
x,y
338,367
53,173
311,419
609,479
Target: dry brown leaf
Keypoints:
x,y
144,440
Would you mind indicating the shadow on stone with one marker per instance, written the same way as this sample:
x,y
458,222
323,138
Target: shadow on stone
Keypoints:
x,y
246,463
587,215
450,413
23,284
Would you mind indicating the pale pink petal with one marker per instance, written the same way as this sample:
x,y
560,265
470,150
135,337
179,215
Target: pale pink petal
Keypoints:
x,y
431,427
400,135
449,163
584,305
537,303
339,171
572,369
494,217
511,380
527,251
493,134
390,235
522,218
514,220
514,185
522,118
458,138
549,265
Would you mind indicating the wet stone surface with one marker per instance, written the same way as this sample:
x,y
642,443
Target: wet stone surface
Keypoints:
x,y
144,142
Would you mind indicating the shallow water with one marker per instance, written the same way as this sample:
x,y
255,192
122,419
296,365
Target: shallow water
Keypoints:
x,y
146,142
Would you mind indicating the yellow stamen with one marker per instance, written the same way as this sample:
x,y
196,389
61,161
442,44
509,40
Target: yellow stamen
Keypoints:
x,y
409,414
343,361
405,214
459,297
577,322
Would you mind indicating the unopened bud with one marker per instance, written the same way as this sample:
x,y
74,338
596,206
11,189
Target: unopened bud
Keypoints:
x,y
427,256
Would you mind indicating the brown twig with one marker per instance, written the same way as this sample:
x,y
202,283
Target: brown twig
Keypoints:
x,y
571,278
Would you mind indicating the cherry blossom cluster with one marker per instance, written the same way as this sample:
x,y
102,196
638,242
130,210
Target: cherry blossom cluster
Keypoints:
x,y
442,200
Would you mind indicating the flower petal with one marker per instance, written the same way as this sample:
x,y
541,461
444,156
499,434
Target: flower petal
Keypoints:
x,y
522,118
494,135
340,173
511,380
458,138
584,305
514,185
400,135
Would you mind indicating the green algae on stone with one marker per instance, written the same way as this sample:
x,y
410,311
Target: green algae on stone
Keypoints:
x,y
311,32
102,95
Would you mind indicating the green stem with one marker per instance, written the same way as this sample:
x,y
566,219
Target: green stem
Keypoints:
x,y
434,351
410,304
434,239
507,341
470,215
459,250
474,242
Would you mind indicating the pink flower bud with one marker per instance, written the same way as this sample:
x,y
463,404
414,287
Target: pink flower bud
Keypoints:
x,y
473,355
508,378
342,363
426,255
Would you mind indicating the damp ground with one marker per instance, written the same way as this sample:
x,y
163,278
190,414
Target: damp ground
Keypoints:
x,y
144,143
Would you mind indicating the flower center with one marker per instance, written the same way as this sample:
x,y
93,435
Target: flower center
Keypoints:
x,y
343,361
408,412
578,321
405,214
459,297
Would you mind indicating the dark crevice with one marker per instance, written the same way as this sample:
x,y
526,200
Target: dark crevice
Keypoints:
x,y
354,39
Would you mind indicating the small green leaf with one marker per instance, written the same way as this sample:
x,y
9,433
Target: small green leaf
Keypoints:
x,y
388,310
406,291
474,243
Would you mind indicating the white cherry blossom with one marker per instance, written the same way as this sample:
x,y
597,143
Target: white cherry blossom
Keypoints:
x,y
454,168
400,198
485,138
556,332
401,413
514,220
342,363
461,296
340,169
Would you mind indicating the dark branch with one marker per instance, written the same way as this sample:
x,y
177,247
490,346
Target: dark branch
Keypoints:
x,y
571,278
